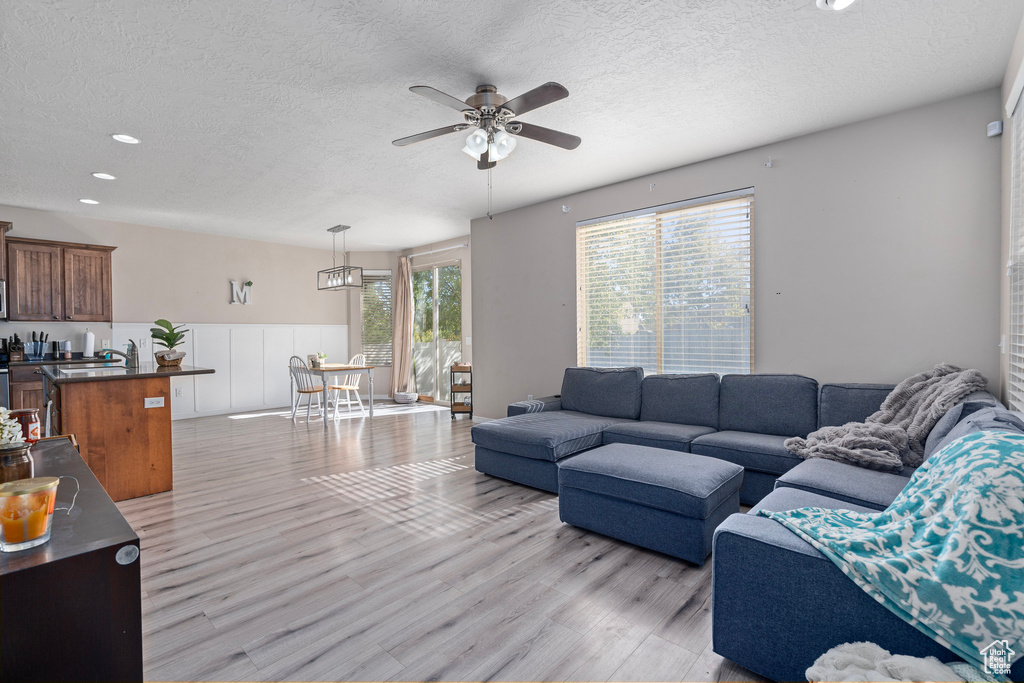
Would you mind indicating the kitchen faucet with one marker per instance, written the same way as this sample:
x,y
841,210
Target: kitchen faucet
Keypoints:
x,y
131,359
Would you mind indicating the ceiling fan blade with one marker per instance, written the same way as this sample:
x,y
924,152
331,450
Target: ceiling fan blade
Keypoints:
x,y
541,134
485,162
436,133
441,98
538,97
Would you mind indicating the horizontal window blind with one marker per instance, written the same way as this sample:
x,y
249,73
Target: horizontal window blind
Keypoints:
x,y
377,320
668,288
1015,352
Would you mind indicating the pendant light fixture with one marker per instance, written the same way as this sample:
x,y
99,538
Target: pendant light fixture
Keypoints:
x,y
341,277
837,5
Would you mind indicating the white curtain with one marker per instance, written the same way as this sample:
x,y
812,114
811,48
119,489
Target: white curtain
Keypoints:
x,y
401,369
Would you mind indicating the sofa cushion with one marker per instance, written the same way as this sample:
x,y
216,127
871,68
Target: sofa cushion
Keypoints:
x,y
781,500
759,452
971,404
993,418
783,405
544,436
842,403
682,399
689,485
537,405
850,484
608,392
655,434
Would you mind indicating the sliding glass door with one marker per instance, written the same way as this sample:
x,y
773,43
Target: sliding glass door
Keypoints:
x,y
437,328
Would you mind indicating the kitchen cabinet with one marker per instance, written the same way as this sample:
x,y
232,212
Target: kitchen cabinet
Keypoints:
x,y
34,291
71,609
87,285
27,388
4,227
27,395
58,281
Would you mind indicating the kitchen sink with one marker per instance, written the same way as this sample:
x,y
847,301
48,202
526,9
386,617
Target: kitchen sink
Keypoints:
x,y
104,370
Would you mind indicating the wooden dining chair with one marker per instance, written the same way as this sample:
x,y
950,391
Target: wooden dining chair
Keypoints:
x,y
304,384
350,385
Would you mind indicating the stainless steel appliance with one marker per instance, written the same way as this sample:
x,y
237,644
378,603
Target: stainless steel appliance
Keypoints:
x,y
3,300
5,389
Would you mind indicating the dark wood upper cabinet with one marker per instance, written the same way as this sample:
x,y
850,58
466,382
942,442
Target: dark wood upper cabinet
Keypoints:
x,y
58,281
87,292
4,227
34,291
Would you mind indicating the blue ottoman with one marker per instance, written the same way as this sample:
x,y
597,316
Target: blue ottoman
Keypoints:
x,y
654,498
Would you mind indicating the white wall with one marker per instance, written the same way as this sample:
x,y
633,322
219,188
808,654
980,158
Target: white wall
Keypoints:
x,y
184,276
250,363
875,252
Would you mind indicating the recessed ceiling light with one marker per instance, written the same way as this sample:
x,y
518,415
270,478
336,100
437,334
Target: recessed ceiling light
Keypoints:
x,y
88,201
127,139
834,4
104,176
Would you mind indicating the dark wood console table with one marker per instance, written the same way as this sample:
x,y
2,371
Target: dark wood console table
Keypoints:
x,y
71,609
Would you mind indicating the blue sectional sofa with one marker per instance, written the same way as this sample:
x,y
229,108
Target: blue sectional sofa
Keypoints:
x,y
778,603
744,419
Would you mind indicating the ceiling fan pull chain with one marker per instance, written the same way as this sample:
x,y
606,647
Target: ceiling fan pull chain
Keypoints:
x,y
490,195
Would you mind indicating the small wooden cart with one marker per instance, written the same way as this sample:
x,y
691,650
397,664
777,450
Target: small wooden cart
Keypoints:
x,y
461,390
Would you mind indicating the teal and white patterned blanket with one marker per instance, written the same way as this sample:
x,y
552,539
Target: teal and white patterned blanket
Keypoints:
x,y
948,555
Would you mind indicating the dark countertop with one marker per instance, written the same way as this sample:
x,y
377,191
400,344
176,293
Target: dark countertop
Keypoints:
x,y
48,359
98,372
94,521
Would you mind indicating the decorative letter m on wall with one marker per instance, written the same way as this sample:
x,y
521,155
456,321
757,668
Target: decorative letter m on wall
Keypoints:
x,y
240,293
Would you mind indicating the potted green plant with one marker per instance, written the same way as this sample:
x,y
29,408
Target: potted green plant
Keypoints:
x,y
170,337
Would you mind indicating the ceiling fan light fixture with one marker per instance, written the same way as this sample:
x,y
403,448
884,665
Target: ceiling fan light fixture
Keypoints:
x,y
502,146
471,153
834,4
476,143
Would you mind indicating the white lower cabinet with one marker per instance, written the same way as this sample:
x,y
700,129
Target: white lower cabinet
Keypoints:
x,y
251,363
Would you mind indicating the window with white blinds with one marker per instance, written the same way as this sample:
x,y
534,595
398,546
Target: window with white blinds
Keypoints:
x,y
668,288
377,321
1015,352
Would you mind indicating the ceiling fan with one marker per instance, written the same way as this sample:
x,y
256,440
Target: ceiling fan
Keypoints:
x,y
491,114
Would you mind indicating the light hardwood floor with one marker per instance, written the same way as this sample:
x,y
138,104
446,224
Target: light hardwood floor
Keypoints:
x,y
376,551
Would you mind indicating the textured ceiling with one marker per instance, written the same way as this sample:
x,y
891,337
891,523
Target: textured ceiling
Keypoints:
x,y
272,120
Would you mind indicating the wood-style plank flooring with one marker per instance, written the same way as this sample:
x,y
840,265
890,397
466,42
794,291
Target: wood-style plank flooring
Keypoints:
x,y
376,551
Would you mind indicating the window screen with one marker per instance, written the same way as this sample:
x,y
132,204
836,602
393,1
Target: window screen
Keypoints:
x,y
377,329
668,288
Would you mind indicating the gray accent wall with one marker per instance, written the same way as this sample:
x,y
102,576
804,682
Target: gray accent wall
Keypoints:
x,y
876,252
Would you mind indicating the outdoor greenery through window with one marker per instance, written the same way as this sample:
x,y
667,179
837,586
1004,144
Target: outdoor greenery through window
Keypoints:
x,y
449,304
668,288
377,326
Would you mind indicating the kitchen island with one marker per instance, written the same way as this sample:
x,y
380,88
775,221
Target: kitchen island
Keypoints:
x,y
121,418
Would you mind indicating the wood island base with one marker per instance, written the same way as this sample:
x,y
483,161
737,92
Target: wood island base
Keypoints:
x,y
122,419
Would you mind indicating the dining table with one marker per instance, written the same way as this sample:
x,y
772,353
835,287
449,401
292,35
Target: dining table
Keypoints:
x,y
327,370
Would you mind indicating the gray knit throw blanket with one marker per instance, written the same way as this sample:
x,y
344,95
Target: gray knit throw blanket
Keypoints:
x,y
895,435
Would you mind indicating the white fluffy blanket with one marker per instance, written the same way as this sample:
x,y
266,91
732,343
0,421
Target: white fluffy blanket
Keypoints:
x,y
869,662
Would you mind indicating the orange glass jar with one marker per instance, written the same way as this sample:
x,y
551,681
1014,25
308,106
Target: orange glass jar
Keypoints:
x,y
29,419
26,512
